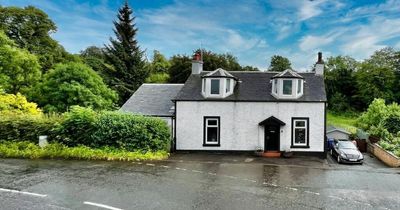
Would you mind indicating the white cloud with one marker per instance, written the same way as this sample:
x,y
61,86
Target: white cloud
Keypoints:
x,y
363,40
311,42
309,9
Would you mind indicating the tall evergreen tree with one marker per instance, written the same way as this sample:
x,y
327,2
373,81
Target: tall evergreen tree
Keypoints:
x,y
125,55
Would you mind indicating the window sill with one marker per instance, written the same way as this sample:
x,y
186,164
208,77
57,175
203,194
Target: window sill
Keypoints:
x,y
299,146
211,145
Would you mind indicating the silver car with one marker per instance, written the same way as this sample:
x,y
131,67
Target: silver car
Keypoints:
x,y
346,152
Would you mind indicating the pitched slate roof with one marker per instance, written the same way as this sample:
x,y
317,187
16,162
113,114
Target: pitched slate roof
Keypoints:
x,y
153,100
219,73
288,73
333,128
254,86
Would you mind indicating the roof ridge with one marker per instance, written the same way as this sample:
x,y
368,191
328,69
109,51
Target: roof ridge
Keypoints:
x,y
163,84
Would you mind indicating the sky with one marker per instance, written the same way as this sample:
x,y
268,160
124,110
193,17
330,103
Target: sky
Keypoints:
x,y
252,30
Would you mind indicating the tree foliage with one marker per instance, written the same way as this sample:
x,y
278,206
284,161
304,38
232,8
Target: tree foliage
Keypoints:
x,y
340,82
159,64
73,84
180,69
30,28
279,63
125,55
17,104
19,69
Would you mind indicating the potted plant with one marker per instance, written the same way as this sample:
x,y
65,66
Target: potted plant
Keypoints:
x,y
259,151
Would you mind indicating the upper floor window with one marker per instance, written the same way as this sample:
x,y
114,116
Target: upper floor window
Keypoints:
x,y
218,84
215,86
287,87
299,86
228,85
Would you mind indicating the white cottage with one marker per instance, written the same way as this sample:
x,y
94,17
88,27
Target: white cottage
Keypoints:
x,y
242,111
224,110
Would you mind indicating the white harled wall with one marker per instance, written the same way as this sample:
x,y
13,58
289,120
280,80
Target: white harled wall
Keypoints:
x,y
239,124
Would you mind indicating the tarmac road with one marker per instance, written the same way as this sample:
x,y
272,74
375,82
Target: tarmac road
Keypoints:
x,y
198,181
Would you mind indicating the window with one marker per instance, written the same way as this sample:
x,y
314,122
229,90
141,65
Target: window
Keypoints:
x,y
276,86
298,86
215,86
287,87
300,133
211,131
204,85
228,85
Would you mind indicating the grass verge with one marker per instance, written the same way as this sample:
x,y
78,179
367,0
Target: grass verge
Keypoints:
x,y
25,149
346,121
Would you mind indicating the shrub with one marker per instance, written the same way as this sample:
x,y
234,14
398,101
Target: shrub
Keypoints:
x,y
83,126
392,123
10,103
131,132
27,127
77,127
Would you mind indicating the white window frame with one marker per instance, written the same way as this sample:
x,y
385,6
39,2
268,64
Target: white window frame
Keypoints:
x,y
206,126
306,127
228,86
299,87
219,87
275,86
283,83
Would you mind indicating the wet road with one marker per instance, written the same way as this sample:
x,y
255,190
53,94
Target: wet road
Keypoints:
x,y
197,182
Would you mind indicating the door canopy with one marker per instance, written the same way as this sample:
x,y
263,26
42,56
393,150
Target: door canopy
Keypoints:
x,y
272,121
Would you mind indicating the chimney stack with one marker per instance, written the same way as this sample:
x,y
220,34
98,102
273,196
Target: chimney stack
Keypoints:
x,y
319,66
197,64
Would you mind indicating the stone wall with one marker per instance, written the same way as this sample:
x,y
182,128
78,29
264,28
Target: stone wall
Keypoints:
x,y
387,157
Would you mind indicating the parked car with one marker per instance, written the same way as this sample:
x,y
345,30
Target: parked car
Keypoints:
x,y
346,152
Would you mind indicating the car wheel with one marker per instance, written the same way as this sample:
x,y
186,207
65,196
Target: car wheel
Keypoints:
x,y
338,159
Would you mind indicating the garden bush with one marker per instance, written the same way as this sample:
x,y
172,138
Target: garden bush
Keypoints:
x,y
131,132
83,126
27,127
383,121
10,103
77,127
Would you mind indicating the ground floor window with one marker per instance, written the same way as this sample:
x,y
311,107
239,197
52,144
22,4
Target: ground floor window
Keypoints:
x,y
300,133
211,131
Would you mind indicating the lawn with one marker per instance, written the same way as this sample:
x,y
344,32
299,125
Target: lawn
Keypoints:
x,y
346,121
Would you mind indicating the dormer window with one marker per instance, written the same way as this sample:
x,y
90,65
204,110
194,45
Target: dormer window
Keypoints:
x,y
218,84
287,85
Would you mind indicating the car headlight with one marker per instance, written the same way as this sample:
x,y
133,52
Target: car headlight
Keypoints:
x,y
343,155
360,156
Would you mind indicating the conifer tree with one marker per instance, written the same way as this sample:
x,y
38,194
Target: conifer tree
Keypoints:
x,y
125,55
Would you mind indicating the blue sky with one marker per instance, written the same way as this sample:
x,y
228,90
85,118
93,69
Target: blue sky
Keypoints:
x,y
251,30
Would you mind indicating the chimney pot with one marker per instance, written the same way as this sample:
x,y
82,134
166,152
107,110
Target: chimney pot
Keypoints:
x,y
319,66
197,64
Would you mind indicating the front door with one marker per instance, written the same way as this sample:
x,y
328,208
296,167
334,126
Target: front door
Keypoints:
x,y
271,138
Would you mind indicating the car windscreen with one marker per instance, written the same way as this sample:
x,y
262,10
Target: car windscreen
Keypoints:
x,y
347,145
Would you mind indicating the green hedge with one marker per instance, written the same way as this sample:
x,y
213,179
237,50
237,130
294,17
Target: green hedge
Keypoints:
x,y
83,126
27,127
